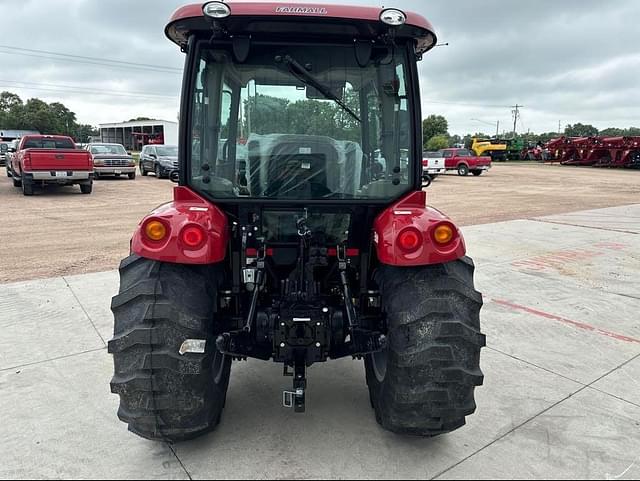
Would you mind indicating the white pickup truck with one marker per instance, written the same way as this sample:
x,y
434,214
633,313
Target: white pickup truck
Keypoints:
x,y
433,164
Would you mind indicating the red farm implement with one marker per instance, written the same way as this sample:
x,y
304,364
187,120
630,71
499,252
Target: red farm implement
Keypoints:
x,y
596,151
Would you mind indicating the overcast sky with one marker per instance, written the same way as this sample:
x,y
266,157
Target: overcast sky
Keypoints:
x,y
564,60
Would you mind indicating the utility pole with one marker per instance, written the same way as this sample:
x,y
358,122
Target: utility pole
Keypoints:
x,y
497,129
559,127
516,116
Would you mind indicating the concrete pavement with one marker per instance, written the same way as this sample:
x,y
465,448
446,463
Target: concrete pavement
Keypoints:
x,y
561,396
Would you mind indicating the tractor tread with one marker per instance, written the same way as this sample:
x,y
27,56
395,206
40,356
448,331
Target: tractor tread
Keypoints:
x,y
165,395
433,364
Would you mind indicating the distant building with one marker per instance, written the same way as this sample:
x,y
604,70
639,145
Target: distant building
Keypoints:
x,y
16,134
134,135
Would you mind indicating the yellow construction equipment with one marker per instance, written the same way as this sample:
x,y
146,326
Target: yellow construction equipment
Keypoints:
x,y
494,148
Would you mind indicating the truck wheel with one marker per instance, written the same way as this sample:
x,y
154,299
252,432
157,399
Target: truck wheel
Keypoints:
x,y
86,188
165,395
158,172
423,382
132,176
27,187
17,181
463,170
477,172
143,172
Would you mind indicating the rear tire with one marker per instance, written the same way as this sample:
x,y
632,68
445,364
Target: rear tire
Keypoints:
x,y
132,176
17,181
423,383
477,172
463,170
163,395
86,188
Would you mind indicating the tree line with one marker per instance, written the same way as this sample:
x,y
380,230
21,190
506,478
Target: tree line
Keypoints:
x,y
435,132
36,114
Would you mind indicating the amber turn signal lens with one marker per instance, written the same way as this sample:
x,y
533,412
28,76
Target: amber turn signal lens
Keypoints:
x,y
155,230
443,234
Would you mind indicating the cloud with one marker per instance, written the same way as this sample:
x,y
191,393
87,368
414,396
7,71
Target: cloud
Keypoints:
x,y
573,61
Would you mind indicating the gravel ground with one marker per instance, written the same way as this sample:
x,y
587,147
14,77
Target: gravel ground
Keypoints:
x,y
61,232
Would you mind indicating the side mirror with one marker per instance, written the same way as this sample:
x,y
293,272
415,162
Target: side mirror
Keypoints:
x,y
174,176
12,150
153,156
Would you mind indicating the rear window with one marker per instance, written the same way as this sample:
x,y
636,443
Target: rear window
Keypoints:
x,y
433,155
465,153
49,144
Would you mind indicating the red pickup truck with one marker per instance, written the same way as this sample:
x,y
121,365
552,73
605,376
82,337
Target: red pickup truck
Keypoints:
x,y
50,159
465,161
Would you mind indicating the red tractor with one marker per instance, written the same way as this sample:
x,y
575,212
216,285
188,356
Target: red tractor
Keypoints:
x,y
299,231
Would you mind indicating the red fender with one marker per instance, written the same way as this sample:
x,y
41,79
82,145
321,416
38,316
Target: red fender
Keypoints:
x,y
412,213
187,209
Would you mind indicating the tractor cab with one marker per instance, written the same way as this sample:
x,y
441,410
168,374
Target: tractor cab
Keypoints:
x,y
300,104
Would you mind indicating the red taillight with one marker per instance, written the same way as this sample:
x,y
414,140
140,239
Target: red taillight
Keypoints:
x,y
27,160
193,237
425,162
410,240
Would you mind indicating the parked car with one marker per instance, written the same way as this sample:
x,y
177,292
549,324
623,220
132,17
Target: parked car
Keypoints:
x,y
432,165
4,149
50,159
111,159
465,161
159,159
11,148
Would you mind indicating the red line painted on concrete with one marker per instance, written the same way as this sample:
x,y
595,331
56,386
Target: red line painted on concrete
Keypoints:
x,y
558,259
579,325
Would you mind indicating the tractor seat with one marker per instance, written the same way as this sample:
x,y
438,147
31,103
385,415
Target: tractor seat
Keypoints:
x,y
302,176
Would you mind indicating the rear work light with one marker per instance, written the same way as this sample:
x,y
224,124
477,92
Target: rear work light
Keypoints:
x,y
155,230
410,240
216,10
193,237
393,17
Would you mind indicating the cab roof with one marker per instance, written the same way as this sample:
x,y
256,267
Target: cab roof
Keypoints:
x,y
251,17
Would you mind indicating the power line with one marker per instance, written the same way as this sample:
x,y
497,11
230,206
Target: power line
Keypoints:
x,y
465,104
88,89
103,64
135,64
94,92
